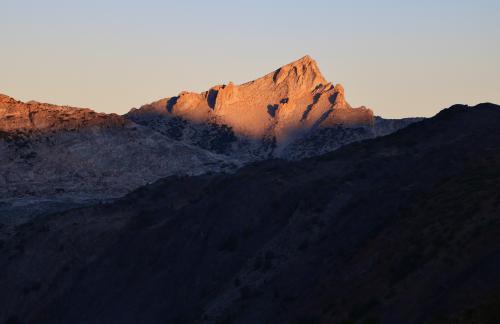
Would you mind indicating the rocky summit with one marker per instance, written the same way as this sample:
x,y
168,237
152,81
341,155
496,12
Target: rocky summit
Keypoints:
x,y
294,98
268,117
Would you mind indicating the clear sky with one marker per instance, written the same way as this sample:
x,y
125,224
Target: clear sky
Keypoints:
x,y
401,58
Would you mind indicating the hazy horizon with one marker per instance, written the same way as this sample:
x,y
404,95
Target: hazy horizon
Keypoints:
x,y
399,59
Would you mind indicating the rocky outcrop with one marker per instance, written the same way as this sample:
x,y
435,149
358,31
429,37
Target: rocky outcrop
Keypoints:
x,y
35,116
293,99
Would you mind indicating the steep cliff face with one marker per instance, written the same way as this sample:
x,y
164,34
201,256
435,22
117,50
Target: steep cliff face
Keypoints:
x,y
293,99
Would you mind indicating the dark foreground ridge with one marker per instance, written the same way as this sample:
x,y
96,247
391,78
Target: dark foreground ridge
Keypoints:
x,y
399,229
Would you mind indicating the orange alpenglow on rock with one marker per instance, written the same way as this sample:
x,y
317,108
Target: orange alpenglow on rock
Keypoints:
x,y
35,116
290,100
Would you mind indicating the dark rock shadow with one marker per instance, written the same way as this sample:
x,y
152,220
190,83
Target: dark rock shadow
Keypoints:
x,y
271,110
333,97
171,103
309,107
212,97
275,76
322,118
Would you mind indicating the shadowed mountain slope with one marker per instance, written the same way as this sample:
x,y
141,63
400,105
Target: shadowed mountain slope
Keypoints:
x,y
55,157
399,229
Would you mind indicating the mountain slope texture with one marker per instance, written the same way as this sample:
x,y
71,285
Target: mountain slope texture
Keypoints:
x,y
57,157
399,229
267,117
293,98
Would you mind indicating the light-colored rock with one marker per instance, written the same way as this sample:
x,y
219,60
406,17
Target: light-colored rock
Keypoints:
x,y
292,99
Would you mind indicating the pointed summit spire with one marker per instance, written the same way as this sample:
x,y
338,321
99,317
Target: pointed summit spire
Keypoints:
x,y
292,98
303,72
306,60
304,64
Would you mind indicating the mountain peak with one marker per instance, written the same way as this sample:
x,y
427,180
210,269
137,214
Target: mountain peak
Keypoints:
x,y
306,60
304,71
291,99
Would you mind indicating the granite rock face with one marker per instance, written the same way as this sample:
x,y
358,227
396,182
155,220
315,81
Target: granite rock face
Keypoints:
x,y
293,98
267,117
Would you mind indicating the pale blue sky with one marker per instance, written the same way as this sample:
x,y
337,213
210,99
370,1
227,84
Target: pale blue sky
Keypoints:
x,y
400,58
